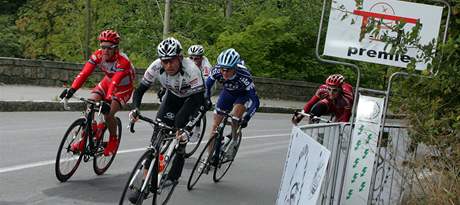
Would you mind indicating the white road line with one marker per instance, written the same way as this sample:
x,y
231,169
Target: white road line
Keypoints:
x,y
48,162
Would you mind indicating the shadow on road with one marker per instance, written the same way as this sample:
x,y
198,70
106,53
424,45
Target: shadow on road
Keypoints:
x,y
103,189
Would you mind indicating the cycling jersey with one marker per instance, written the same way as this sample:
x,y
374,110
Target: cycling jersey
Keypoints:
x,y
238,89
119,75
340,106
186,82
205,67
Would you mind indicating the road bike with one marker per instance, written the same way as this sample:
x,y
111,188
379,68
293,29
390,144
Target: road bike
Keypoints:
x,y
217,158
92,138
153,182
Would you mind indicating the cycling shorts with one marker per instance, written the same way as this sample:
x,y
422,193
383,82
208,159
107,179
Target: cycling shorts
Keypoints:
x,y
122,94
226,101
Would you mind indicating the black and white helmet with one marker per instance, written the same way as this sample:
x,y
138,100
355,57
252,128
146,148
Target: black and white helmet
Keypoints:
x,y
196,50
228,58
169,48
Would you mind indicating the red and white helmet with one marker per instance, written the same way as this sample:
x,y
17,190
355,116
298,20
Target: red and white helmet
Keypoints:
x,y
335,80
110,36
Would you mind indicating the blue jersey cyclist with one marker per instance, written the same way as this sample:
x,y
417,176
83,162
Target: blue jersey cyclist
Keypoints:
x,y
238,95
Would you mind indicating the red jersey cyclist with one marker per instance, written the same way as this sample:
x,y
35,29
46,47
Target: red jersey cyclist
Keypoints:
x,y
335,97
115,88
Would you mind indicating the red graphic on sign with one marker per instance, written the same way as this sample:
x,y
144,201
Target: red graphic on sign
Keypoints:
x,y
382,11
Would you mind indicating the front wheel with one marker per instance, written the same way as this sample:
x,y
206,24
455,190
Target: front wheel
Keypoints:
x,y
137,189
197,136
224,165
101,163
67,161
201,166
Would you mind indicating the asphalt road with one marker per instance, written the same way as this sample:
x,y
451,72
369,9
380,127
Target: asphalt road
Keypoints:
x,y
29,142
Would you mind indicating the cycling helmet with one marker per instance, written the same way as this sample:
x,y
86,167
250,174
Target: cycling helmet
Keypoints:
x,y
110,36
228,58
196,50
335,80
169,48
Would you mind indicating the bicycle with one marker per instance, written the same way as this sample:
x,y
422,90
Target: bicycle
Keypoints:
x,y
94,140
217,157
142,178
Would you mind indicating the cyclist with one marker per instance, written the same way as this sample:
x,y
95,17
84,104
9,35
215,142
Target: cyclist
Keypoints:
x,y
115,88
184,95
334,97
238,94
196,53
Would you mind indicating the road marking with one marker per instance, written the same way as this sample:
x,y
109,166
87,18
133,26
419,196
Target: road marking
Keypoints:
x,y
48,162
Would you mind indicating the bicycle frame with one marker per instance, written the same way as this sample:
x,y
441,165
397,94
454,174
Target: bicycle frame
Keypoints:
x,y
93,108
220,135
154,148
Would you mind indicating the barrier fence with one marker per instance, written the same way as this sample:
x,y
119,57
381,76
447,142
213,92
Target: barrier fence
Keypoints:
x,y
389,173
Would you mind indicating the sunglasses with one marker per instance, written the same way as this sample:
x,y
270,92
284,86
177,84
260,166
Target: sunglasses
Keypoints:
x,y
226,69
195,57
109,47
332,90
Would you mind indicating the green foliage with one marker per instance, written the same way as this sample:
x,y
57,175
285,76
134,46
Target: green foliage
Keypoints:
x,y
8,38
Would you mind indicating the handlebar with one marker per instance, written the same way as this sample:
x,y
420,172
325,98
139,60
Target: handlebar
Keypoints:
x,y
311,117
151,121
65,101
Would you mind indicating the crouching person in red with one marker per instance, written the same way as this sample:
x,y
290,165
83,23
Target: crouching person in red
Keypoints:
x,y
335,97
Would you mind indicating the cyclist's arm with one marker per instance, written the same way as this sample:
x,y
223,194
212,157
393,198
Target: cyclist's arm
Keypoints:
x,y
255,103
321,93
209,83
121,74
149,78
88,68
138,94
313,100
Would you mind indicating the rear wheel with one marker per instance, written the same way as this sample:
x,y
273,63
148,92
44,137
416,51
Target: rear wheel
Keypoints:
x,y
224,165
196,138
133,192
201,166
67,161
101,163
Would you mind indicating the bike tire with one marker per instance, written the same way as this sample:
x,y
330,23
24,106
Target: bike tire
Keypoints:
x,y
101,163
135,181
223,166
64,148
196,172
165,193
192,148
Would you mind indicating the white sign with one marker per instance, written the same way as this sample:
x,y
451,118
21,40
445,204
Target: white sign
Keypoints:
x,y
347,36
362,151
304,170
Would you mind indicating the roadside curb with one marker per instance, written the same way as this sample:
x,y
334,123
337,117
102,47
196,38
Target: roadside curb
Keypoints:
x,y
28,106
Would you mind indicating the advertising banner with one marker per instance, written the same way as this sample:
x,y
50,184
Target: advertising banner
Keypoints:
x,y
304,170
362,152
357,30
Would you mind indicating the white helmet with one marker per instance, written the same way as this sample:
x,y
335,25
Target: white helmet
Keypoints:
x,y
169,48
196,50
